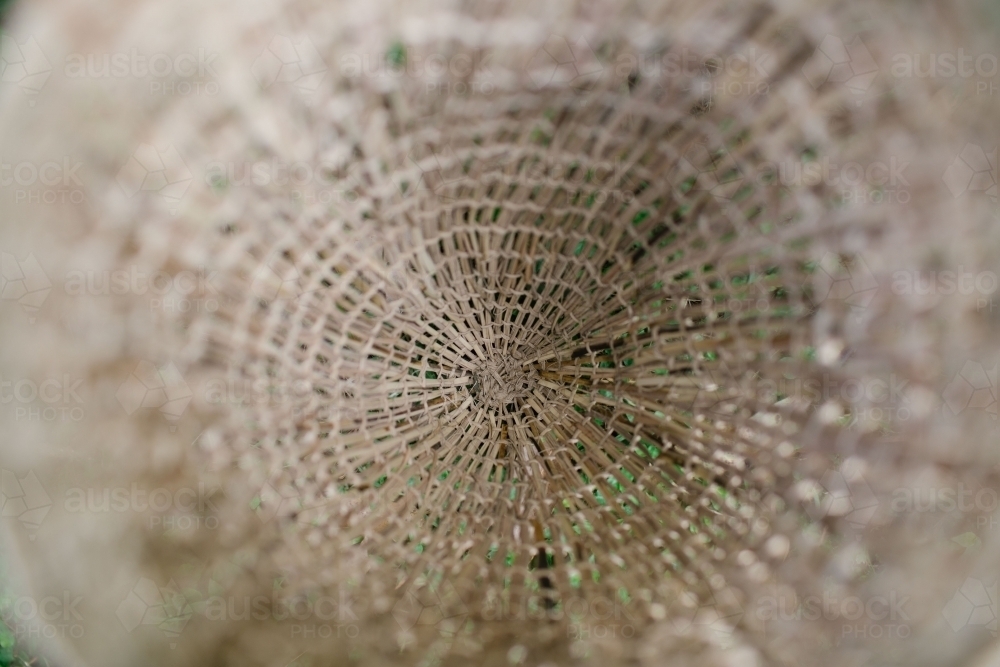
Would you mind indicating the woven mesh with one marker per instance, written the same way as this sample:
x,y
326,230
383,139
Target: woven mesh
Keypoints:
x,y
551,350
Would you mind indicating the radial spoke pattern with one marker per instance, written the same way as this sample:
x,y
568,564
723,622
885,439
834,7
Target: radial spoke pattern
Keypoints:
x,y
535,358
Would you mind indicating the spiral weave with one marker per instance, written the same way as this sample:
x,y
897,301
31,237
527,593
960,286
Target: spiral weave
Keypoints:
x,y
535,341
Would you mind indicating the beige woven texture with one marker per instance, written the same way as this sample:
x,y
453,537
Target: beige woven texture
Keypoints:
x,y
526,369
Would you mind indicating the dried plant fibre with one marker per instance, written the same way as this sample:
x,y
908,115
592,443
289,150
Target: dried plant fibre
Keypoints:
x,y
549,346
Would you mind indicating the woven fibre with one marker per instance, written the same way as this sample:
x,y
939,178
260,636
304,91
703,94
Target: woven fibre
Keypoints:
x,y
526,369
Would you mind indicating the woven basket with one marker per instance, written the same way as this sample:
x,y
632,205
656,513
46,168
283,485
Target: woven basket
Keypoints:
x,y
507,333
